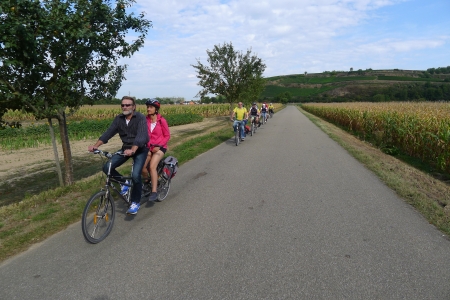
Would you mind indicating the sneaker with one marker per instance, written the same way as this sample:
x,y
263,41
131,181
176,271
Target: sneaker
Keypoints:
x,y
133,208
242,139
153,196
124,188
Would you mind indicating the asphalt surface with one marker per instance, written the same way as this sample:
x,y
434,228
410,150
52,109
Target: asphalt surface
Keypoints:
x,y
287,214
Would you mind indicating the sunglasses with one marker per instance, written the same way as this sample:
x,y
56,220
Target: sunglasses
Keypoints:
x,y
126,105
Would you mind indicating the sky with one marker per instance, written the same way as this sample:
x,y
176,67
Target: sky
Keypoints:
x,y
290,36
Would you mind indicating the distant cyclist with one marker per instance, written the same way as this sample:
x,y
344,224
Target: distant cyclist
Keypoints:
x,y
264,112
271,108
241,115
254,114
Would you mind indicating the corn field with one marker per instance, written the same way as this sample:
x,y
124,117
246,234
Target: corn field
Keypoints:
x,y
419,129
102,112
92,121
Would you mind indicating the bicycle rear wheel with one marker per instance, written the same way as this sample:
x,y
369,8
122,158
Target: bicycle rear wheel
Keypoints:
x,y
163,189
98,217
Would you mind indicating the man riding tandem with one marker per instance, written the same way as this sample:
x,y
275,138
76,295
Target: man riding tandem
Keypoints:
x,y
132,129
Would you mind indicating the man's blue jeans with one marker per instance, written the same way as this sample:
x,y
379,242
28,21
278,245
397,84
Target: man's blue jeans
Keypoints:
x,y
138,163
241,126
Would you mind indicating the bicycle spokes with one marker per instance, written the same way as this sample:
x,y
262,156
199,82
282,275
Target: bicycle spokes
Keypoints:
x,y
98,217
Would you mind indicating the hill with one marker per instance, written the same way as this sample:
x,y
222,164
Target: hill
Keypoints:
x,y
369,85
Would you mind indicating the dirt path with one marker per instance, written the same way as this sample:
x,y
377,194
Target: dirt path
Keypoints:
x,y
23,161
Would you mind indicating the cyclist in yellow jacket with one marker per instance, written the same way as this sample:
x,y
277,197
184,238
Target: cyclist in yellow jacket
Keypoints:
x,y
241,115
271,108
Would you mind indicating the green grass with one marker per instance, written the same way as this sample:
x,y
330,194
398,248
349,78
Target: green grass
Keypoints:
x,y
193,147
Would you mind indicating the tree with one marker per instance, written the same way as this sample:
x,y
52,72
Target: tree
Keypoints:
x,y
283,97
255,87
230,73
62,54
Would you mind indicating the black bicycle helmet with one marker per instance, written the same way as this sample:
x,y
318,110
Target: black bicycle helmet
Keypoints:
x,y
153,102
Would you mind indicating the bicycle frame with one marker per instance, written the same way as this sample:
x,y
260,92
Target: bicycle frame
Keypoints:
x,y
123,180
237,134
254,120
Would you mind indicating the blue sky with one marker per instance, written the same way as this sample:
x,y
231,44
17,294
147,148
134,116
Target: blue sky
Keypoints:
x,y
290,36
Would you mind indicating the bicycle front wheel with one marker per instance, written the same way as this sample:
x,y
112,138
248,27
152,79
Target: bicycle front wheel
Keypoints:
x,y
98,217
236,136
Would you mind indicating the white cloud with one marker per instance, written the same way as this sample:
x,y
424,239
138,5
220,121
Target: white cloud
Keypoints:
x,y
291,36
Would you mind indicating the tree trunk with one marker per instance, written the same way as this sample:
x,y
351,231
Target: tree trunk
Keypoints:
x,y
65,146
55,152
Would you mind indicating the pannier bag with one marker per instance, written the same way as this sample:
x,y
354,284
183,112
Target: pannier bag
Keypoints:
x,y
247,129
170,167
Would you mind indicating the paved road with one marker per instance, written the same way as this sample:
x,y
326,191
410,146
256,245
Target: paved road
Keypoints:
x,y
288,214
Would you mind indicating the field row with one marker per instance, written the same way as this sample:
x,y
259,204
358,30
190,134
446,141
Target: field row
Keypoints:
x,y
91,122
102,112
419,129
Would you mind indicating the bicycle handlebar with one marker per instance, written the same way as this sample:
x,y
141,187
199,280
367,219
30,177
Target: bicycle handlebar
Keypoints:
x,y
107,154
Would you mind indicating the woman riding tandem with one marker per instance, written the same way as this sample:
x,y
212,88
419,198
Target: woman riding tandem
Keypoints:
x,y
159,133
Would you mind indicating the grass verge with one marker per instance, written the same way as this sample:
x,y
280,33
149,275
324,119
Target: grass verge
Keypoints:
x,y
37,217
428,195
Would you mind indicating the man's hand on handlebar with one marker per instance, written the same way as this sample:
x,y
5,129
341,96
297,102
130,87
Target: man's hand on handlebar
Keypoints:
x,y
128,152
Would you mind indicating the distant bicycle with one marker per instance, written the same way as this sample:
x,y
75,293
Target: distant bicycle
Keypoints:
x,y
237,134
254,125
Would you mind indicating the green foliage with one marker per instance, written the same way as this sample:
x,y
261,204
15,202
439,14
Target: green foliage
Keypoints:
x,y
283,98
59,54
64,54
230,73
440,70
253,91
378,98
